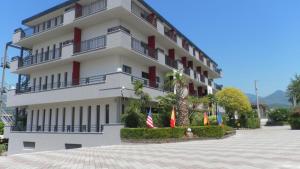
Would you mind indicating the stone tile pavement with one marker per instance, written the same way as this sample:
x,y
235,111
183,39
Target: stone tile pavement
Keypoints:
x,y
267,148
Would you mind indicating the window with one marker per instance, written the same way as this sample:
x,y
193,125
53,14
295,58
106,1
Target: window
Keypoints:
x,y
66,79
157,79
80,118
55,21
56,120
127,69
89,118
73,118
58,80
53,51
40,83
31,120
123,108
47,53
44,116
34,83
72,146
37,120
48,24
145,75
50,119
46,83
52,81
98,118
107,114
42,55
28,145
64,119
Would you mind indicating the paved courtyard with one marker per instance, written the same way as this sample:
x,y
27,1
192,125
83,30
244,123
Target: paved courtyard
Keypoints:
x,y
267,148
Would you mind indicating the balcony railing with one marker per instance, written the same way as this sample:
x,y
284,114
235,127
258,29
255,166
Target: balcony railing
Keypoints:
x,y
171,62
145,82
143,48
40,58
91,44
141,13
92,8
59,128
28,88
44,26
187,71
172,35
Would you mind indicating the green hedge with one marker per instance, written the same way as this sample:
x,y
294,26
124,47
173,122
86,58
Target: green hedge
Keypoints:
x,y
1,128
294,121
3,148
253,123
165,133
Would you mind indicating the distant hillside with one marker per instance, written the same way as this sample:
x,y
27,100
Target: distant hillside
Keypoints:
x,y
277,99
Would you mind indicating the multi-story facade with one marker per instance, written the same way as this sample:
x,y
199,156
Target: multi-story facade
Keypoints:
x,y
77,65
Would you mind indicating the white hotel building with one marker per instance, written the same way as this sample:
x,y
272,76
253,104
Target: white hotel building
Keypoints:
x,y
77,64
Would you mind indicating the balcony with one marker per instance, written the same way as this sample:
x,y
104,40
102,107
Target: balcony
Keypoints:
x,y
90,9
142,48
159,86
217,86
146,16
90,45
104,86
44,57
27,88
170,62
171,34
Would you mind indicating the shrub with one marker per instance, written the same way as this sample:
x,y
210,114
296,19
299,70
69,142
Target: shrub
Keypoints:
x,y
3,148
249,120
213,120
157,133
294,121
278,116
134,120
253,123
197,119
1,128
208,131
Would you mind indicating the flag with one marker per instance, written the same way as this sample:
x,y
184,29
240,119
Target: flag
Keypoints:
x,y
219,118
173,120
149,120
205,120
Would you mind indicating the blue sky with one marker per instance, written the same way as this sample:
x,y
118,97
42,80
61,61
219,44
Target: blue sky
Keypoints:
x,y
249,39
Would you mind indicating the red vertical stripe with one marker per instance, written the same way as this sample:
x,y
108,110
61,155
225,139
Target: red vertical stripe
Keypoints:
x,y
152,76
172,54
205,73
77,39
199,69
191,88
78,10
183,60
151,46
199,91
76,73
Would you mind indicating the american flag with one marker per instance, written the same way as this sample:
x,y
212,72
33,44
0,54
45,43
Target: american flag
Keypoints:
x,y
149,119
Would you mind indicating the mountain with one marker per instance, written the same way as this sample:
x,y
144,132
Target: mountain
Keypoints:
x,y
277,99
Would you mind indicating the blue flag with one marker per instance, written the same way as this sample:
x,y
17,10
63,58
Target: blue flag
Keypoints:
x,y
220,120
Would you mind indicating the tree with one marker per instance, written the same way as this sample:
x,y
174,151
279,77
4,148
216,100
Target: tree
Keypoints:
x,y
293,90
1,127
136,110
180,84
233,100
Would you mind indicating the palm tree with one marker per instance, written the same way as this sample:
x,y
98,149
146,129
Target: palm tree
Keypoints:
x,y
180,85
293,90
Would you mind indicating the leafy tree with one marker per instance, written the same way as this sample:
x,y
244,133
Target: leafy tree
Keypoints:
x,y
1,128
135,113
233,100
293,90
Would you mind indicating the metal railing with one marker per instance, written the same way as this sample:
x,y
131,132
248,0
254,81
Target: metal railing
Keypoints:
x,y
145,82
40,58
171,35
28,88
187,71
91,44
218,87
59,128
143,48
94,7
44,26
141,13
171,62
